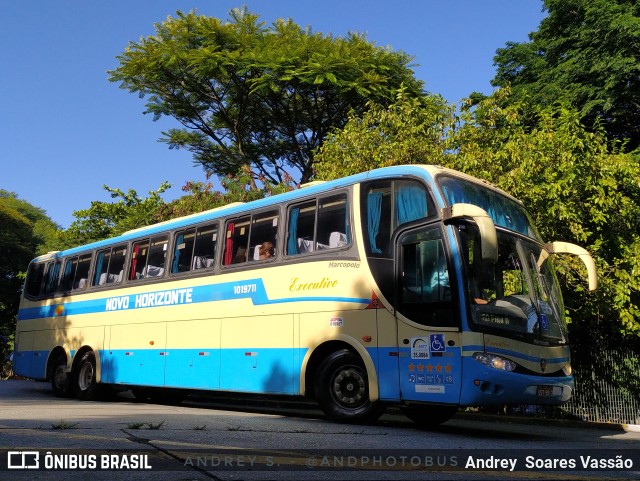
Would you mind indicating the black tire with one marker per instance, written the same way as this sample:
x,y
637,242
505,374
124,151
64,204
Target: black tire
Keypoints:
x,y
84,377
60,377
342,389
428,417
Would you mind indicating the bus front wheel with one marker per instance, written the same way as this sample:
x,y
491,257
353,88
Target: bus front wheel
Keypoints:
x,y
85,382
342,389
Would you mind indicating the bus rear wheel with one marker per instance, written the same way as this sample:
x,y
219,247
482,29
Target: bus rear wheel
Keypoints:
x,y
60,378
427,417
85,384
342,389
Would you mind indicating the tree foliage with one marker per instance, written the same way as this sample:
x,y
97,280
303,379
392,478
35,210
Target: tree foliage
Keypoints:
x,y
26,232
236,188
386,135
129,210
578,187
585,53
253,95
109,219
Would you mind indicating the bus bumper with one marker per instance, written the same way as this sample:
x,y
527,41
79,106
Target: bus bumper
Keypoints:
x,y
484,385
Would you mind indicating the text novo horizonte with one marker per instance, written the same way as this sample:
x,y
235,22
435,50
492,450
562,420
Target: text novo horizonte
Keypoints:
x,y
150,299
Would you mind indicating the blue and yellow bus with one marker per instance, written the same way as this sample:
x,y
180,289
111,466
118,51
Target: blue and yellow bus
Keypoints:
x,y
415,286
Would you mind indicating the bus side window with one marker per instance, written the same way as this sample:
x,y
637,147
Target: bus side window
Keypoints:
x,y
76,273
236,241
204,250
109,266
425,293
378,225
333,222
183,252
301,228
195,249
34,279
263,237
139,253
51,278
318,225
148,258
116,266
81,278
69,272
388,205
157,257
102,266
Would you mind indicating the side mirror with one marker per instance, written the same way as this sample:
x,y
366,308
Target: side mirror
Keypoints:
x,y
488,235
585,257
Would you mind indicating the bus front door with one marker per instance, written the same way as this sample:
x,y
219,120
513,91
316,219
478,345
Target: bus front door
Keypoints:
x,y
429,340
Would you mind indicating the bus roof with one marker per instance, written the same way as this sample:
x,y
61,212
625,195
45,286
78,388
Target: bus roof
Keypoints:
x,y
426,172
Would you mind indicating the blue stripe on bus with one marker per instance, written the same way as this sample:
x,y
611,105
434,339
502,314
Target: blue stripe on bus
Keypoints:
x,y
247,289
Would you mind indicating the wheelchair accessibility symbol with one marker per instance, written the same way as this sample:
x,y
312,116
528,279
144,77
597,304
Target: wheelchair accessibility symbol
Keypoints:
x,y
436,343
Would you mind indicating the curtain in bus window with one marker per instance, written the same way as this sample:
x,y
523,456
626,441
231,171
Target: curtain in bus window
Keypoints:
x,y
134,262
374,212
99,261
346,223
228,247
67,276
52,278
292,240
176,257
453,193
411,204
502,211
68,268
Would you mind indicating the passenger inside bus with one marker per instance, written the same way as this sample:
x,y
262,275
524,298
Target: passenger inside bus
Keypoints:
x,y
265,251
241,255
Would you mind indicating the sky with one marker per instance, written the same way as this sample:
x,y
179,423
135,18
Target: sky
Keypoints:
x,y
65,130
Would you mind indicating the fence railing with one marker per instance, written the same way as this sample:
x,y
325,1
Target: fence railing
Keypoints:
x,y
607,387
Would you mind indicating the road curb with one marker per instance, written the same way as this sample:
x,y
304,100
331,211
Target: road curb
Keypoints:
x,y
549,421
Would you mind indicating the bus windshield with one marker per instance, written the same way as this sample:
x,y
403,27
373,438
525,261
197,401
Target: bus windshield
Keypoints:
x,y
504,211
518,296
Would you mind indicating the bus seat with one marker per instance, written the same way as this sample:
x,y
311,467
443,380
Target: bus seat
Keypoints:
x,y
152,271
256,253
202,262
304,245
337,239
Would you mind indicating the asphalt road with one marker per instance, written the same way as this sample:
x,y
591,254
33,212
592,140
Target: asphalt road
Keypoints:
x,y
223,439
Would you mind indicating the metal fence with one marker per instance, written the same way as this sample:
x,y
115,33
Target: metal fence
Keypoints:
x,y
607,387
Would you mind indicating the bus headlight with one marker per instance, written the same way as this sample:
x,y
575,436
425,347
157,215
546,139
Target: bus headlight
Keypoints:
x,y
494,361
567,370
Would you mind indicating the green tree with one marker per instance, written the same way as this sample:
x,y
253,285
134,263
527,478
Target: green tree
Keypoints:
x,y
109,219
410,131
25,233
236,188
585,53
577,186
253,95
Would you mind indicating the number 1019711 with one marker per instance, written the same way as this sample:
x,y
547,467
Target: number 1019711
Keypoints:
x,y
245,289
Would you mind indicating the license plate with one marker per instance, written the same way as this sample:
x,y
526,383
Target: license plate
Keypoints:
x,y
545,391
